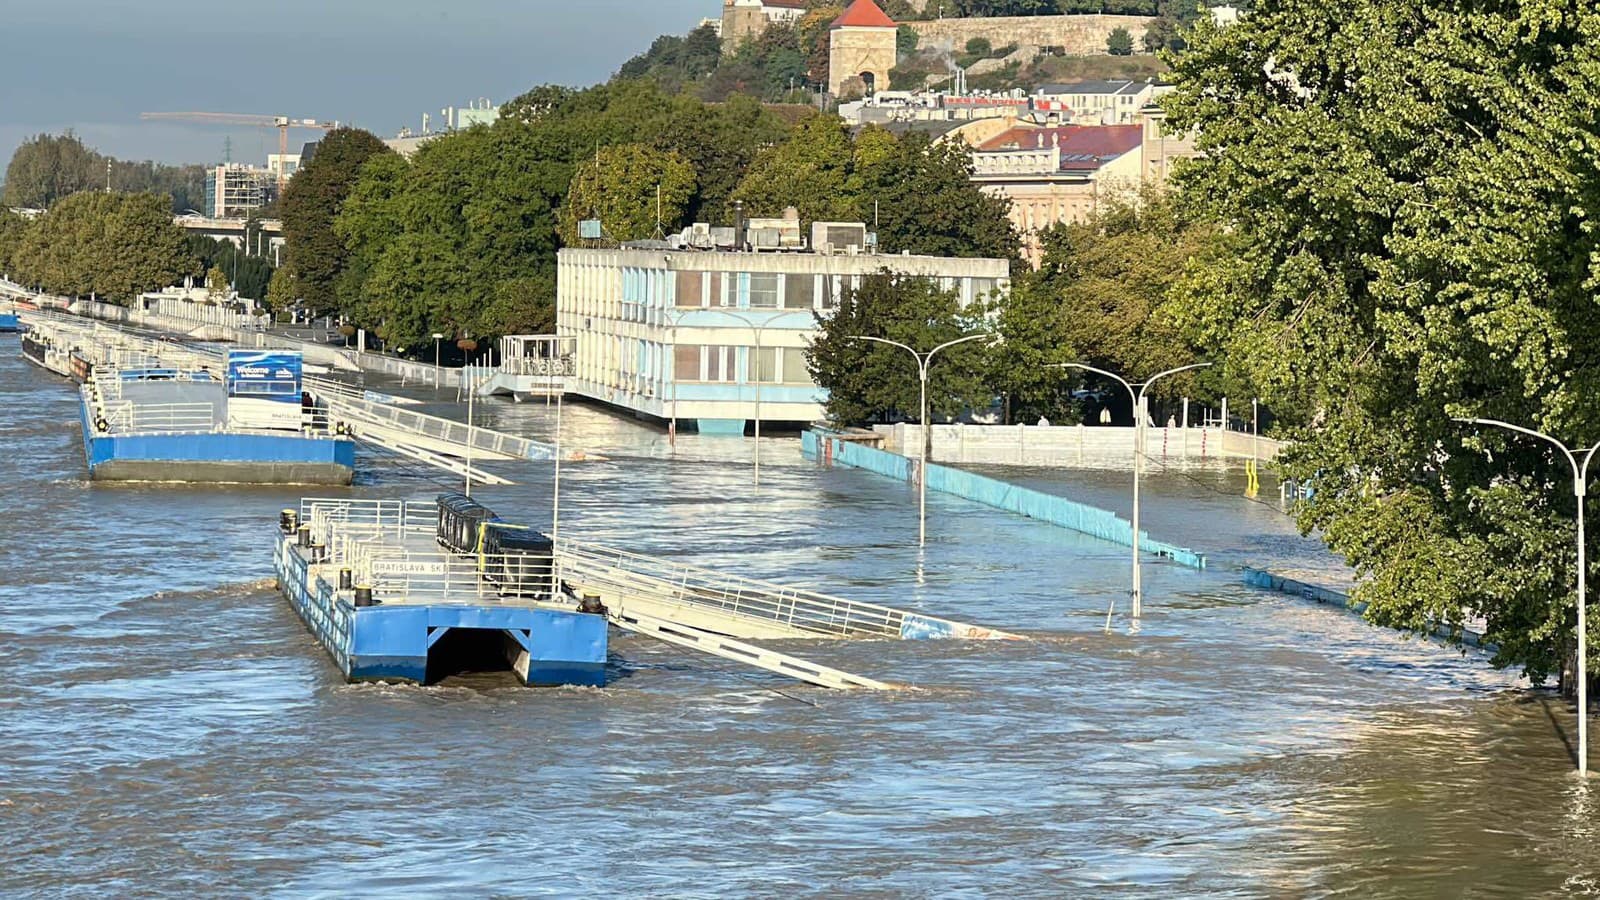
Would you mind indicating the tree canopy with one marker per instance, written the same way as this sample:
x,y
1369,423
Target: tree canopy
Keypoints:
x,y
871,382
310,204
919,193
626,187
115,246
1411,187
46,168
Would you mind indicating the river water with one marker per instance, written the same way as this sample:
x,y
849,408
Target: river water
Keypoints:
x,y
168,727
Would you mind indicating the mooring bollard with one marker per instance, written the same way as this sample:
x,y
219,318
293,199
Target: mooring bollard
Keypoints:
x,y
346,579
363,597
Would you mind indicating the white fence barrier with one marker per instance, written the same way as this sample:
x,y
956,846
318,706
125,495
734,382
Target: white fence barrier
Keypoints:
x,y
1078,446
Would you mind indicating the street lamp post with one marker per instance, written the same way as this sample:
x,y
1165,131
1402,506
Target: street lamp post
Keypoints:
x,y
923,359
437,337
1136,393
758,329
1580,478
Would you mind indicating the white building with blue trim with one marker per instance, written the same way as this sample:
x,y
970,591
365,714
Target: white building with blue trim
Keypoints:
x,y
672,334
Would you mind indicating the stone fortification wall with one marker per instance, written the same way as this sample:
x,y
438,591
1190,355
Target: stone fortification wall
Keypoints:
x,y
1078,35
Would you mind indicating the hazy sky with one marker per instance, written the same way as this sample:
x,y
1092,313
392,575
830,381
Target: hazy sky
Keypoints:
x,y
94,65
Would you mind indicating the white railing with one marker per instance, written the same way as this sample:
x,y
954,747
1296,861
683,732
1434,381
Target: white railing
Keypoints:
x,y
127,417
539,365
445,430
397,519
632,573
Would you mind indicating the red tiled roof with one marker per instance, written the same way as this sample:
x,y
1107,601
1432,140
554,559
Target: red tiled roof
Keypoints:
x,y
864,14
1082,146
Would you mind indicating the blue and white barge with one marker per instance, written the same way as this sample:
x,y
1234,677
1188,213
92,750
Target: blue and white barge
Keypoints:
x,y
402,591
376,583
249,426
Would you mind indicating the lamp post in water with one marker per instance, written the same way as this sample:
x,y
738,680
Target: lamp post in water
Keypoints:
x,y
923,359
437,337
757,369
1580,478
1136,394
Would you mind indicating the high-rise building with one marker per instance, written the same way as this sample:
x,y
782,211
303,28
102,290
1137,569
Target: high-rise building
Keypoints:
x,y
234,189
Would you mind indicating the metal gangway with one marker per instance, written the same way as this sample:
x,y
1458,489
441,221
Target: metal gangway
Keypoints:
x,y
390,546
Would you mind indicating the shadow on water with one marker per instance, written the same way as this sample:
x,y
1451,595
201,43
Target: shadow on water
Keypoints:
x,y
1547,698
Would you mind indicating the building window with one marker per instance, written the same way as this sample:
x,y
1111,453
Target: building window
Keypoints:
x,y
794,366
686,363
690,293
799,291
764,290
767,368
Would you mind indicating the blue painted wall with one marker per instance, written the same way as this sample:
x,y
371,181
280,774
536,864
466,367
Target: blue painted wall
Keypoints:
x,y
1090,520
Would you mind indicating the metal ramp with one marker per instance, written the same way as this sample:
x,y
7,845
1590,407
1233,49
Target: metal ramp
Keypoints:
x,y
444,436
437,460
742,607
749,654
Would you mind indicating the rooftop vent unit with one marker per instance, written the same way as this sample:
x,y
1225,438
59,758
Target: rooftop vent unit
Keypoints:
x,y
775,234
838,237
698,236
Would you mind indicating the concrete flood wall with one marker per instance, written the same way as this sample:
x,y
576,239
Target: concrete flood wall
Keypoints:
x,y
1470,635
1080,446
830,447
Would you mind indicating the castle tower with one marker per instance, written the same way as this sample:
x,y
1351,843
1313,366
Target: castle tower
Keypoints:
x,y
861,45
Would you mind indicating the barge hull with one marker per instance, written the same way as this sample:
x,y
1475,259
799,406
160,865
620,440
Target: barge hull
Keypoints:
x,y
217,457
392,642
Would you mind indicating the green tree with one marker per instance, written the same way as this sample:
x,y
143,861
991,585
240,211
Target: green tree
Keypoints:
x,y
217,282
626,187
48,167
919,193
311,203
979,47
906,40
1411,217
281,293
12,227
114,246
1119,42
869,382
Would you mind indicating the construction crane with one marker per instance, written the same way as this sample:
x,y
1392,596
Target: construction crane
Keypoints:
x,y
282,123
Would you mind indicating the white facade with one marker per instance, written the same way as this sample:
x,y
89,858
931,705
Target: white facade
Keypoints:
x,y
673,334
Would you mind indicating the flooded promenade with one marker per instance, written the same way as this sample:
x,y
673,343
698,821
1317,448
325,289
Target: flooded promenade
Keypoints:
x,y
169,727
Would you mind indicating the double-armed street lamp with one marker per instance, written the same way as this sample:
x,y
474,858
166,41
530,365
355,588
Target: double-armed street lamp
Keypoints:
x,y
1136,393
923,359
1580,478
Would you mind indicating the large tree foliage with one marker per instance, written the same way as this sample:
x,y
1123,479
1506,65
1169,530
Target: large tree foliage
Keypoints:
x,y
1412,188
310,204
919,194
635,191
437,240
48,167
871,382
12,227
1100,296
463,238
115,246
248,274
